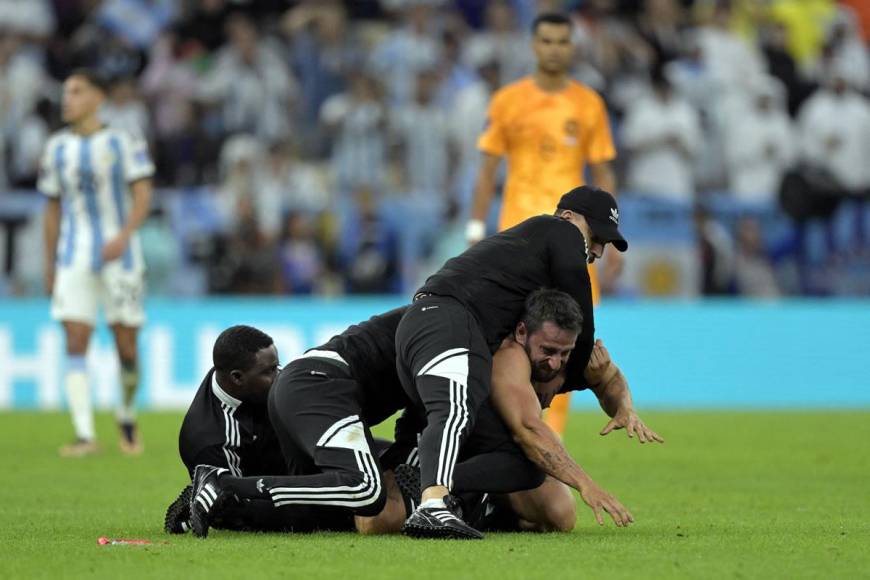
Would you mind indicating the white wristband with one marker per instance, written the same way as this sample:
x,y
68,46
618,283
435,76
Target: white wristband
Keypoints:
x,y
475,230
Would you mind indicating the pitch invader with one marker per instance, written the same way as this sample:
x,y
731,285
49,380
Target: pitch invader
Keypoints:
x,y
98,184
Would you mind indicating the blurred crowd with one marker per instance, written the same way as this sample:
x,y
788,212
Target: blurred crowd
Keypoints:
x,y
330,147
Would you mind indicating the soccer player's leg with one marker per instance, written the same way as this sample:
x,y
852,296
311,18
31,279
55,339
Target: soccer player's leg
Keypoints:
x,y
445,367
122,302
74,304
557,414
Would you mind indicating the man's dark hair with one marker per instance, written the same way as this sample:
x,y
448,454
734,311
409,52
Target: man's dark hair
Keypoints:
x,y
549,305
550,18
236,348
94,78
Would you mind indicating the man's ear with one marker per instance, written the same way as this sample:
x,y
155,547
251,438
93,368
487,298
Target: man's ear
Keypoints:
x,y
236,376
521,333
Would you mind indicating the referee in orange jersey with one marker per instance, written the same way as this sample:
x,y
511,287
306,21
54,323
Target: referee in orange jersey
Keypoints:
x,y
549,127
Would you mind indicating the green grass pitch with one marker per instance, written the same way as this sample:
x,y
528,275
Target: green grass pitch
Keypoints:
x,y
729,495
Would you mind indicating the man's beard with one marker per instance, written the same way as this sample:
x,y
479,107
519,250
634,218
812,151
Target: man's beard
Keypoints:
x,y
541,371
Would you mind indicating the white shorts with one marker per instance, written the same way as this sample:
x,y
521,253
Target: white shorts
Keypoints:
x,y
78,293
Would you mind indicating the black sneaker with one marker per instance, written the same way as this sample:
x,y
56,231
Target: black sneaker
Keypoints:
x,y
440,522
408,480
206,499
177,520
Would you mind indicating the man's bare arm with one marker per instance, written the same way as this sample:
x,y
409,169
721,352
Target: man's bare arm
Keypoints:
x,y
518,405
611,387
603,176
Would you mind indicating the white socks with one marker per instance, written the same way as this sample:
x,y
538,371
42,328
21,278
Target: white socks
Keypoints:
x,y
78,395
432,503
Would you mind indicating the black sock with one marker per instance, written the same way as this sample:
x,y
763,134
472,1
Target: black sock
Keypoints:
x,y
245,487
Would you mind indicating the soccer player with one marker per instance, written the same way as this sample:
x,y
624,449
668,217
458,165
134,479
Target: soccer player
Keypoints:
x,y
548,127
445,341
97,181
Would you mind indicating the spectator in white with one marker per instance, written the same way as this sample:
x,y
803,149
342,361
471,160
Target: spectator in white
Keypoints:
x,y
240,160
731,66
286,183
125,110
845,51
300,183
834,129
406,50
661,133
33,19
22,82
499,39
357,122
26,148
170,84
732,61
760,144
690,74
753,273
467,118
138,22
251,83
421,129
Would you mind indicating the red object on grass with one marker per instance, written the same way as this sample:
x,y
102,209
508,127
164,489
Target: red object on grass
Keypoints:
x,y
104,541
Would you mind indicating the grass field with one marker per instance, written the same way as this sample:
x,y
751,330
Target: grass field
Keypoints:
x,y
730,495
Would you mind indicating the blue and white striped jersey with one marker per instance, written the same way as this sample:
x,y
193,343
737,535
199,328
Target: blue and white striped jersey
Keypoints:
x,y
91,176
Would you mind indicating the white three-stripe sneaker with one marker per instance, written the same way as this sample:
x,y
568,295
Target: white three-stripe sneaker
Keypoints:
x,y
206,498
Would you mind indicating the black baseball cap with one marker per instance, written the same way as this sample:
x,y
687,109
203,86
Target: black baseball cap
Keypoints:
x,y
600,210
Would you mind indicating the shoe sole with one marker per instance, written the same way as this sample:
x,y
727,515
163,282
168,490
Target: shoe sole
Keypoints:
x,y
409,484
176,510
